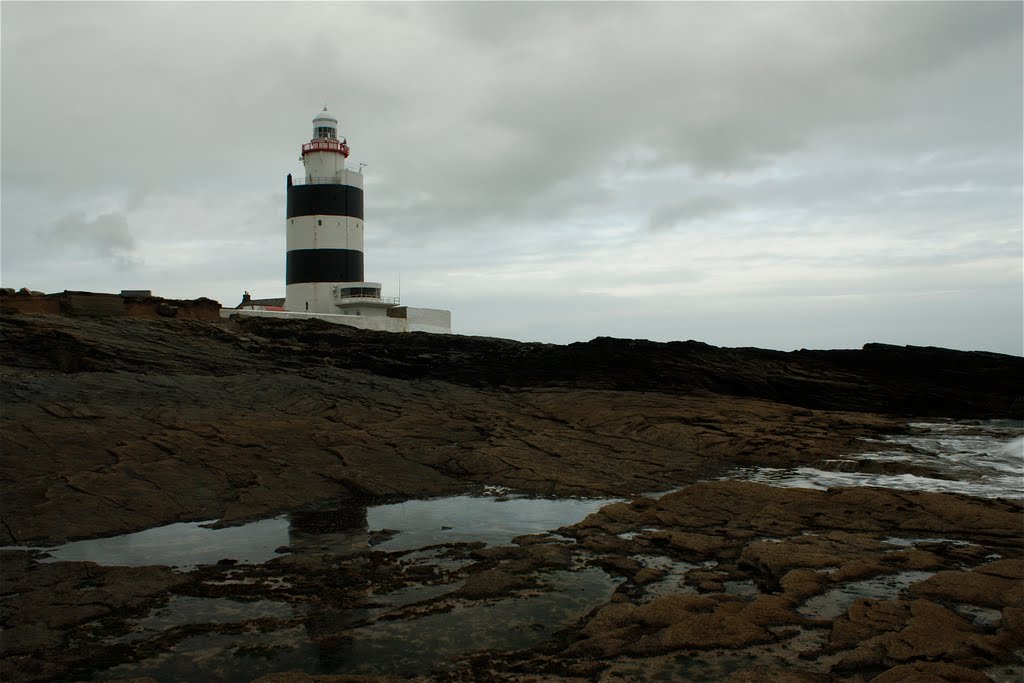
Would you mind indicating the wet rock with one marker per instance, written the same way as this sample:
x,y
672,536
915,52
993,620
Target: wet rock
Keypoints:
x,y
669,623
44,602
533,539
997,584
625,566
762,674
896,632
295,677
490,584
930,672
700,630
689,546
810,551
786,512
602,542
867,619
773,610
378,537
306,560
534,557
648,575
494,553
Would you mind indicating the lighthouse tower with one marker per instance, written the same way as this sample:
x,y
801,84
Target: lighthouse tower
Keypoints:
x,y
324,267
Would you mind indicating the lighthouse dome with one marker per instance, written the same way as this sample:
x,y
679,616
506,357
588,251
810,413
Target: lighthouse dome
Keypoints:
x,y
325,125
326,116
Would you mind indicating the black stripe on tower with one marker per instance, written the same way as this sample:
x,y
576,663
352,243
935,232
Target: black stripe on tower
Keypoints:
x,y
325,200
323,265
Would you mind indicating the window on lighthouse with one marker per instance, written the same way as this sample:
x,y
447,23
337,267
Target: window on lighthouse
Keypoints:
x,y
326,132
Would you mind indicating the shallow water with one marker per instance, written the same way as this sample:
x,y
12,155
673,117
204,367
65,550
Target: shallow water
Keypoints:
x,y
226,659
674,580
491,519
337,643
183,610
430,642
365,639
835,602
184,544
982,616
983,459
494,521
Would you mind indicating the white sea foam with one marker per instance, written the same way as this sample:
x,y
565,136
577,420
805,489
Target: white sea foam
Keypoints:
x,y
979,459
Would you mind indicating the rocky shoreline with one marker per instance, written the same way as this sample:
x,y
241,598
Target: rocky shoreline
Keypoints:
x,y
112,425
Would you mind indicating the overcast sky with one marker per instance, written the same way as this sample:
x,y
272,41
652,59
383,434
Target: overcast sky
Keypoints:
x,y
781,175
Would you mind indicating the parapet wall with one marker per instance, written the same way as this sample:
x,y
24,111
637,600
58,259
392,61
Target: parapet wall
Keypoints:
x,y
409,319
423,319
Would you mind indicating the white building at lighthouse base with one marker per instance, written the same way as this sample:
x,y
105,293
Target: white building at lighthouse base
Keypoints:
x,y
398,319
359,305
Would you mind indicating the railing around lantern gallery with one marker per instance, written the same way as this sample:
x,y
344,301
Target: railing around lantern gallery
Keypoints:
x,y
339,146
329,180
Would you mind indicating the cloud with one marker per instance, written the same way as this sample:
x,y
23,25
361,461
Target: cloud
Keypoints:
x,y
106,236
692,209
578,152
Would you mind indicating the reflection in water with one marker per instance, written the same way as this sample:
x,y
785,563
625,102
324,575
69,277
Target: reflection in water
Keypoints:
x,y
474,518
220,658
183,610
371,638
430,642
185,544
338,530
355,641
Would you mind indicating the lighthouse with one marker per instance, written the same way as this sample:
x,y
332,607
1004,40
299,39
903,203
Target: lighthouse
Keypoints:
x,y
324,262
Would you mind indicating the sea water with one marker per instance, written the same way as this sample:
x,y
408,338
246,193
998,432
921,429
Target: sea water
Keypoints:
x,y
983,459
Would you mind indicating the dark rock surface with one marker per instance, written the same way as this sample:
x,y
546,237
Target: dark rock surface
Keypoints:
x,y
116,424
119,424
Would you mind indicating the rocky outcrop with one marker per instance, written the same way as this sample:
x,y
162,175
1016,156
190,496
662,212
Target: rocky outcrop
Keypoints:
x,y
879,378
826,602
115,423
92,304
